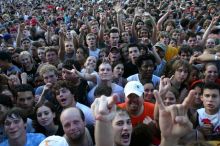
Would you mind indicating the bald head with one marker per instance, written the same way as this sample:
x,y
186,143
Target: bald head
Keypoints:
x,y
72,119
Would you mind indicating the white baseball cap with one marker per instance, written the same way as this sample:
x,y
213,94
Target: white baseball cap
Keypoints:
x,y
134,87
54,141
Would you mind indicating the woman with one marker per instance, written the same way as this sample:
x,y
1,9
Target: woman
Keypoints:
x,y
81,55
148,92
46,120
118,71
28,66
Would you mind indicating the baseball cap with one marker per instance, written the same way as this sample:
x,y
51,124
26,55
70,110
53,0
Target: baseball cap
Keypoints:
x,y
161,46
54,141
134,87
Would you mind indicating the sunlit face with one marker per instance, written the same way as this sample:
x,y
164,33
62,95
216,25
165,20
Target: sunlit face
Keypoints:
x,y
14,127
91,61
118,71
41,54
125,37
181,74
211,73
122,129
134,104
169,98
25,60
134,53
105,72
148,91
26,44
211,100
65,98
50,77
114,39
69,47
51,57
73,125
210,43
45,116
91,41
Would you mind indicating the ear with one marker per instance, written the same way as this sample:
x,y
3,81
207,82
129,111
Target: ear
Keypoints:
x,y
201,97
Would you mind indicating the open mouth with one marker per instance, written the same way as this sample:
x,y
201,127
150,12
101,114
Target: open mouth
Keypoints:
x,y
125,137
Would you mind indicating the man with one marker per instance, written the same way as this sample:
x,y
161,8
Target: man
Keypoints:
x,y
52,56
73,122
66,96
15,128
91,43
6,65
25,101
134,103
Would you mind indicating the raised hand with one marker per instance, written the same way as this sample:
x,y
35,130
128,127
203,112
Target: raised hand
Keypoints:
x,y
164,85
173,120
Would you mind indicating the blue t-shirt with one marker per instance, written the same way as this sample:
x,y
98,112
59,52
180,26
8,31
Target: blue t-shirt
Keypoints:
x,y
33,139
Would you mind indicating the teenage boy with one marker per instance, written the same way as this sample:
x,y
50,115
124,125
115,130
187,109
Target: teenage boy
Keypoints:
x,y
208,118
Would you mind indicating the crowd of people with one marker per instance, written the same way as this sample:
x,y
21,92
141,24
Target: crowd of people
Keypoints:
x,y
109,72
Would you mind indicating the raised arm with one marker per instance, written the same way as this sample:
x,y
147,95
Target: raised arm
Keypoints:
x,y
19,35
61,52
208,30
118,10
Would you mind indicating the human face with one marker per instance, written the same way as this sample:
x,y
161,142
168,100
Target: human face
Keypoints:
x,y
134,104
65,97
91,41
211,100
147,68
51,57
25,100
114,39
67,75
122,129
185,56
15,57
198,94
210,43
211,73
94,29
105,72
25,60
169,98
148,91
118,70
114,56
14,127
69,47
26,44
50,77
91,61
176,35
192,42
125,37
80,54
45,116
134,53
41,54
73,125
181,74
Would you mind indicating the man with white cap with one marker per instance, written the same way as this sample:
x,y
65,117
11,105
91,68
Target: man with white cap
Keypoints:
x,y
134,103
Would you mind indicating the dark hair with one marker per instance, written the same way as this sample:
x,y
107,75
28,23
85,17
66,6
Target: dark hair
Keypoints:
x,y
16,112
6,100
211,85
143,58
24,88
102,89
133,45
36,125
141,132
68,64
114,30
5,56
185,49
65,84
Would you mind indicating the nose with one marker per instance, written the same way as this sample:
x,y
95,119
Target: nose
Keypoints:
x,y
125,127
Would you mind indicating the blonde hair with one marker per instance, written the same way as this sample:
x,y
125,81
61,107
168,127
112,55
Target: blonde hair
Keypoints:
x,y
47,68
26,53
